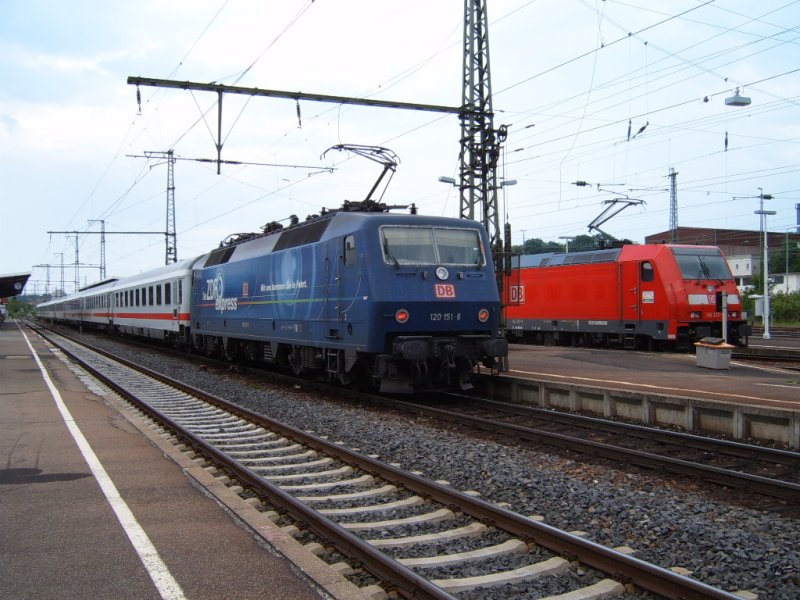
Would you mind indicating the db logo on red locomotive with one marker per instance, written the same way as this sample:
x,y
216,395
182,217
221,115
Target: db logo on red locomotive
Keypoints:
x,y
444,290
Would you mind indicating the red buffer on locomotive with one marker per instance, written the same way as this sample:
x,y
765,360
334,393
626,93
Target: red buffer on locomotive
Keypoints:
x,y
636,296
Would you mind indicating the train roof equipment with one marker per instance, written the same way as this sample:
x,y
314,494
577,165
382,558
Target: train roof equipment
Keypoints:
x,y
614,206
348,206
377,154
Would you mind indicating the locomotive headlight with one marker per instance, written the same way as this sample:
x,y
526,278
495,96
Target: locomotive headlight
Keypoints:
x,y
442,273
401,316
695,315
483,315
734,315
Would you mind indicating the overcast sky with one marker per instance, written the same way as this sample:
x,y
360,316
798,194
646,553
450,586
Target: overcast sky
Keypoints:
x,y
570,79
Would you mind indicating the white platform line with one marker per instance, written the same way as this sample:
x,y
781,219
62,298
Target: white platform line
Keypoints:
x,y
156,569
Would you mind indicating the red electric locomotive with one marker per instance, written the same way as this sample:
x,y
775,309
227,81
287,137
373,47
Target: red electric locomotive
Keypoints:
x,y
635,296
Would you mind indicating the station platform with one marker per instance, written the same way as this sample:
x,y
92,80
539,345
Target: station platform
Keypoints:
x,y
674,374
97,505
742,401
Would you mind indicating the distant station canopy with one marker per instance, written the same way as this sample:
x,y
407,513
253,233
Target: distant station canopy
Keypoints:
x,y
12,285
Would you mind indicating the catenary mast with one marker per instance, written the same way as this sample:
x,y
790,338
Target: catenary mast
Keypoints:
x,y
480,142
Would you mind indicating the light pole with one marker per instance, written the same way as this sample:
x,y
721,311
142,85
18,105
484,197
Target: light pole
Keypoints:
x,y
763,213
567,239
503,184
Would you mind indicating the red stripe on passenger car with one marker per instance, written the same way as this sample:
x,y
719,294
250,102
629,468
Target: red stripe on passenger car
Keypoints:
x,y
153,316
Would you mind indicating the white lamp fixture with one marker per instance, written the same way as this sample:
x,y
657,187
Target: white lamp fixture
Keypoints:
x,y
737,100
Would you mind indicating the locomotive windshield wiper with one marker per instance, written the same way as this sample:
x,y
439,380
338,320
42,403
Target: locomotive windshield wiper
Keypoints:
x,y
390,255
704,268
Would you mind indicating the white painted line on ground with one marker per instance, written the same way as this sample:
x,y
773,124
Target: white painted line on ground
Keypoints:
x,y
158,571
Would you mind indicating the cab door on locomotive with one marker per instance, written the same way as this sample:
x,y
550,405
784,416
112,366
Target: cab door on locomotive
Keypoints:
x,y
334,282
629,292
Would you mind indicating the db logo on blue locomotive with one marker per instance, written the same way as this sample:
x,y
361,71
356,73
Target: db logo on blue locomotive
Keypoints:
x,y
215,290
444,290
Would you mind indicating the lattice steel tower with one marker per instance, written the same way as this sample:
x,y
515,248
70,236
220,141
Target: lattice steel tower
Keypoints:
x,y
673,205
480,142
172,236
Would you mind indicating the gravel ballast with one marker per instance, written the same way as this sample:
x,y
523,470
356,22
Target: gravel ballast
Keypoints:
x,y
672,524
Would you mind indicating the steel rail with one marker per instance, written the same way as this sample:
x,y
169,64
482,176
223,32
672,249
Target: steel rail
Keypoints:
x,y
763,485
399,577
623,567
729,447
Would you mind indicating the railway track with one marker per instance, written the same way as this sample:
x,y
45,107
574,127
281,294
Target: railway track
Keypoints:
x,y
784,358
768,471
419,538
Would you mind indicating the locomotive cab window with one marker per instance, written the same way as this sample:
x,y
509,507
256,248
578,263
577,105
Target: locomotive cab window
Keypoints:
x,y
702,263
647,271
431,246
350,256
458,246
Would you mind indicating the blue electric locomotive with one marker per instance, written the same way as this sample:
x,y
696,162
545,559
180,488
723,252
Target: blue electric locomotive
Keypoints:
x,y
357,294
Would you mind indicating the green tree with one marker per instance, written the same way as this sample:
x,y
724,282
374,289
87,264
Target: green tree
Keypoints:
x,y
579,243
785,308
583,242
19,309
778,255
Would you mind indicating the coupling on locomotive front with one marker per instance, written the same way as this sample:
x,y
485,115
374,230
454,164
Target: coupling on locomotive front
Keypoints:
x,y
358,294
635,296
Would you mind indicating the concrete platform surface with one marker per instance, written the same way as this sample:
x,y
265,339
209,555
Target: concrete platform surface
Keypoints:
x,y
664,373
65,535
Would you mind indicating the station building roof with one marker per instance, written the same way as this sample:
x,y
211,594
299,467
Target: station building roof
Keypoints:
x,y
13,284
730,241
